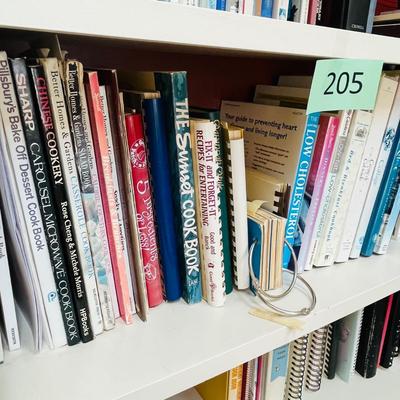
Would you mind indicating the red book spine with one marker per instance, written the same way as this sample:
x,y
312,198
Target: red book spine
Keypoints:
x,y
107,194
312,12
144,208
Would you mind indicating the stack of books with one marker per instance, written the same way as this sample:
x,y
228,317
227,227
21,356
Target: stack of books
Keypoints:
x,y
354,15
361,342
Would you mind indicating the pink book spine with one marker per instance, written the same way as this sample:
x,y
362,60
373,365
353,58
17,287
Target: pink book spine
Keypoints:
x,y
324,160
312,12
107,194
385,325
259,379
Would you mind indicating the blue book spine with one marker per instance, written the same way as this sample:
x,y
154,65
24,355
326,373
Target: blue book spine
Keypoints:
x,y
266,8
162,194
297,192
279,365
221,5
173,89
383,198
371,15
212,4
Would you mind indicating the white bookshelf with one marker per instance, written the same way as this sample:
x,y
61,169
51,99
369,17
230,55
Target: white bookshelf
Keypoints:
x,y
181,346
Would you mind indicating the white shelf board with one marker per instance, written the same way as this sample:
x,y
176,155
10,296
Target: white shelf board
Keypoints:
x,y
174,24
384,385
181,345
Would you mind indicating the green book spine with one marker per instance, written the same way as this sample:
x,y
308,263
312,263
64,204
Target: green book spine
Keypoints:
x,y
173,89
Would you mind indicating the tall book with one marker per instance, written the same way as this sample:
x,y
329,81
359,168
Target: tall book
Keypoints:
x,y
370,174
41,178
299,11
108,194
280,9
313,11
70,173
173,90
7,305
18,153
347,175
236,181
316,184
75,101
206,142
291,134
144,208
74,270
275,373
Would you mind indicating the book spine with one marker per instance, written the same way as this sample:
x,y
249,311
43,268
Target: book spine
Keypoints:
x,y
10,324
276,373
68,166
122,239
24,178
144,208
383,105
221,5
39,166
235,383
312,12
107,193
301,10
248,7
101,231
347,177
266,8
318,191
74,271
280,9
74,88
353,233
173,88
210,215
235,172
297,195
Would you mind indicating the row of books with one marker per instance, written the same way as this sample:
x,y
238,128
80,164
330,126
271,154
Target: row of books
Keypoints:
x,y
355,15
361,342
118,195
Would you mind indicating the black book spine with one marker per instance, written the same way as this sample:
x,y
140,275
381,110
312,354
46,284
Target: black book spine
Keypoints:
x,y
61,203
330,369
389,345
357,15
37,160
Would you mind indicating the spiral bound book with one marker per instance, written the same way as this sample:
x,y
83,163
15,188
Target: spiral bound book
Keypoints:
x,y
332,345
296,368
350,330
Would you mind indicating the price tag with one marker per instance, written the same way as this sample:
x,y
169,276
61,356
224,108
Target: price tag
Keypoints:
x,y
344,84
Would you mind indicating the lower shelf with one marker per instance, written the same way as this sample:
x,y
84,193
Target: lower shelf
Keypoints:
x,y
181,346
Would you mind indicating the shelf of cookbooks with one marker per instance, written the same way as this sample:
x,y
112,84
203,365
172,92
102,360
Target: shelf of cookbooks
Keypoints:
x,y
197,29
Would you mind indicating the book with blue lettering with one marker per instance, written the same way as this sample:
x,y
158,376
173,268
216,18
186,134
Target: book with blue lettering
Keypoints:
x,y
275,373
162,195
384,198
280,142
174,96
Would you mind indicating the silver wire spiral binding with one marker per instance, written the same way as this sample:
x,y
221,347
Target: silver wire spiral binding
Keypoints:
x,y
269,298
296,369
329,338
315,363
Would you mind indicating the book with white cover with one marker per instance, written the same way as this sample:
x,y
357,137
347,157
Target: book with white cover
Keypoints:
x,y
275,373
383,130
301,14
7,305
64,140
236,184
122,243
347,176
18,154
396,232
280,9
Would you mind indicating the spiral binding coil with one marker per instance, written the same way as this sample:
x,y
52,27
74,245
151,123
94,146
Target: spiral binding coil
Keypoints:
x,y
296,368
328,348
316,354
354,361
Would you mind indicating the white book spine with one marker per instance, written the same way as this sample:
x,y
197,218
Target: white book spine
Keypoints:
x,y
383,105
238,206
329,186
122,238
347,177
249,7
206,135
23,175
396,232
301,10
1,352
70,172
280,9
7,297
353,236
96,188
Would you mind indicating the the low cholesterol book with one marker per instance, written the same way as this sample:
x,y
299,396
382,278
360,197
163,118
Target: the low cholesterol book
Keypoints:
x,y
41,177
70,173
18,153
279,141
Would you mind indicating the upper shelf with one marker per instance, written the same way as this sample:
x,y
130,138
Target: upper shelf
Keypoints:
x,y
181,345
197,28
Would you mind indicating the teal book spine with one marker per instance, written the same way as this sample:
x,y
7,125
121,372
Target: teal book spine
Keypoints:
x,y
173,89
